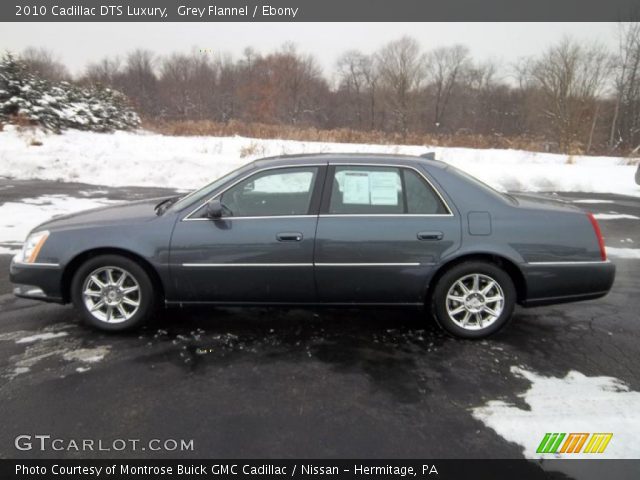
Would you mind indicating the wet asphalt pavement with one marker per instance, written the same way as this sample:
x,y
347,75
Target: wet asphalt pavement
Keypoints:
x,y
285,383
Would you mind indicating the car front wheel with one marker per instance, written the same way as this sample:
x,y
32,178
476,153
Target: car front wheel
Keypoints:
x,y
113,293
473,300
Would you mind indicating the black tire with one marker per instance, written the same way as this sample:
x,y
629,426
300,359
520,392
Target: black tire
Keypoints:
x,y
137,276
474,328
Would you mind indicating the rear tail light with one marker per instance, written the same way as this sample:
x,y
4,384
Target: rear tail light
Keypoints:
x,y
596,229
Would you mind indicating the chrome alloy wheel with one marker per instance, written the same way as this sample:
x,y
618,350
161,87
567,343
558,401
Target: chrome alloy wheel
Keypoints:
x,y
111,294
475,301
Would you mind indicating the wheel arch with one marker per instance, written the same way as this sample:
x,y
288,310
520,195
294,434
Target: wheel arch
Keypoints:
x,y
74,264
509,266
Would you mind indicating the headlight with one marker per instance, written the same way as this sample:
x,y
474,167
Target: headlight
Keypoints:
x,y
32,247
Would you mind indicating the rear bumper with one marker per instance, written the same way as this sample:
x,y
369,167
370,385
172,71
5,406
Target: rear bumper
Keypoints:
x,y
37,281
550,283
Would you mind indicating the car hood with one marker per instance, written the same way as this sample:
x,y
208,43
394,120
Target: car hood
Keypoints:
x,y
543,202
125,213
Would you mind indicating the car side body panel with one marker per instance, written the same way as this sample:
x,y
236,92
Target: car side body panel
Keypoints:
x,y
394,268
549,284
232,260
132,229
552,244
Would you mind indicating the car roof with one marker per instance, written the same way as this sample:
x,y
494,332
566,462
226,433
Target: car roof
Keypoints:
x,y
347,158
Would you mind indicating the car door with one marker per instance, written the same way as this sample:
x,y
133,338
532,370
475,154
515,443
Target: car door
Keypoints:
x,y
381,231
261,250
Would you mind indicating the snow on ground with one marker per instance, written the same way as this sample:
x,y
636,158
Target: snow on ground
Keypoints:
x,y
588,200
615,216
50,347
88,355
617,252
18,218
41,336
575,403
148,159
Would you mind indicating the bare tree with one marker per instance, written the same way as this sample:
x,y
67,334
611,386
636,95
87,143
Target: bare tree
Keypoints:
x,y
139,80
187,85
570,77
226,101
357,78
282,87
479,101
250,56
44,63
297,76
104,72
625,123
445,65
401,71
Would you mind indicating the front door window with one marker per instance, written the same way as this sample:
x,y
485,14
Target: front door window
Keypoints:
x,y
279,192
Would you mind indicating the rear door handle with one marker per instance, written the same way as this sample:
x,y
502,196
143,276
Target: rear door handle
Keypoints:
x,y
289,237
430,235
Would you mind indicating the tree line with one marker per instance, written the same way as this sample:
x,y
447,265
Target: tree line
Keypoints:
x,y
572,97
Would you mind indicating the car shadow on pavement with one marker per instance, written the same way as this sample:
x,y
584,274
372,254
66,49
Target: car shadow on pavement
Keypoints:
x,y
381,344
399,352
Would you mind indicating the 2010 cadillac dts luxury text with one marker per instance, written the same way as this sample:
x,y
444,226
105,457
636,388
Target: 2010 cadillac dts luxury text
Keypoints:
x,y
324,229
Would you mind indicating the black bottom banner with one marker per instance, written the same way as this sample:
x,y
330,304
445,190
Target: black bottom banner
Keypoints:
x,y
304,469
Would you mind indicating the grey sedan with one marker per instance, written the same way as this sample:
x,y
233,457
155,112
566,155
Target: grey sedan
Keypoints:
x,y
326,229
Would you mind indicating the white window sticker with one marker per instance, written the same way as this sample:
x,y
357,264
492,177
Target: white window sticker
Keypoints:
x,y
384,188
355,188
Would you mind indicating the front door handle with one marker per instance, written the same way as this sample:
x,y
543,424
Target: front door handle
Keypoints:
x,y
430,235
289,237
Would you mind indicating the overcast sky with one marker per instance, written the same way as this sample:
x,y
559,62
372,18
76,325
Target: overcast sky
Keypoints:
x,y
76,44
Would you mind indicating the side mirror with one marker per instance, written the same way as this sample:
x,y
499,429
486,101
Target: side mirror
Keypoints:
x,y
214,209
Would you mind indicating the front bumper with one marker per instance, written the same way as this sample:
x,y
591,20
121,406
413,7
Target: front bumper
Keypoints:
x,y
37,281
550,283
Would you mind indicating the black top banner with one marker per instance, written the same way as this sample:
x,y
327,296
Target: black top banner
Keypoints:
x,y
318,10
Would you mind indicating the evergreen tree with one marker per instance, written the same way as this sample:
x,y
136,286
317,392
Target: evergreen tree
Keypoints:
x,y
59,106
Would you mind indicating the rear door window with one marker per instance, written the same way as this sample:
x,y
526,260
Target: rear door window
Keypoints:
x,y
373,190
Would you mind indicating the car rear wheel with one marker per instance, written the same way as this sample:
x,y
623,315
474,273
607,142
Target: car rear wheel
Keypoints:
x,y
113,293
473,300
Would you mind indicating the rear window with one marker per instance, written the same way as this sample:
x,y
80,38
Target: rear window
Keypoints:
x,y
483,186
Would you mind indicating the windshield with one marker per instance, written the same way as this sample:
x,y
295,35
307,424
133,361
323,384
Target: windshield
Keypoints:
x,y
205,192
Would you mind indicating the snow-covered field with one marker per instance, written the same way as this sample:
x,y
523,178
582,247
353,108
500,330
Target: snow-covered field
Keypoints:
x,y
17,218
147,159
